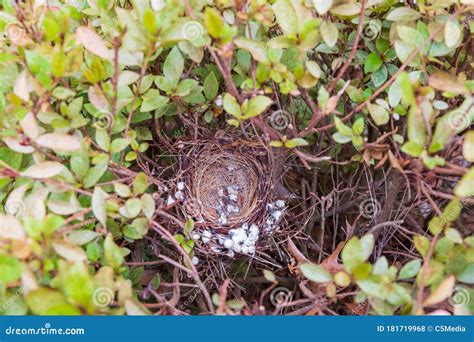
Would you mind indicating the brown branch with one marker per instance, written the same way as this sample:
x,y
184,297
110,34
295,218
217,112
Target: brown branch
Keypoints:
x,y
348,62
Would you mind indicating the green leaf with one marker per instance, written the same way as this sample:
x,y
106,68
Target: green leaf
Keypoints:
x,y
256,106
213,21
358,126
269,275
372,288
367,242
231,106
467,275
342,279
119,145
468,146
353,254
10,269
77,284
454,235
45,301
173,66
410,269
286,17
132,208
341,138
381,266
452,33
372,63
94,174
404,51
148,205
422,244
98,205
140,183
329,32
187,87
322,6
452,211
379,114
113,254
406,88
102,139
276,143
342,128
465,187
416,126
153,100
211,86
403,14
380,76
82,236
255,48
295,142
435,226
413,149
315,273
346,10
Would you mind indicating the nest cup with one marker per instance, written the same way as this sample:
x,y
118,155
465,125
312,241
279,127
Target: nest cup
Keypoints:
x,y
215,171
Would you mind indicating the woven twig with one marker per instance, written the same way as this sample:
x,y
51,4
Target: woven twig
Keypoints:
x,y
209,167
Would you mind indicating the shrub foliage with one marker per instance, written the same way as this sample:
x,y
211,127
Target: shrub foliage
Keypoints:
x,y
94,94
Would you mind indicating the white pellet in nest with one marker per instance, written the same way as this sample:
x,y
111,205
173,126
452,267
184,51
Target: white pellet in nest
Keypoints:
x,y
222,219
195,260
280,204
196,236
277,215
232,208
179,195
180,186
228,243
170,200
233,190
206,236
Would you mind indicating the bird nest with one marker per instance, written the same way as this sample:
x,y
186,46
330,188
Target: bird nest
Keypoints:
x,y
226,186
226,183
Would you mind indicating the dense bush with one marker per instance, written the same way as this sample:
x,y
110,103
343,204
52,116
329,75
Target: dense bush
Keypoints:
x,y
368,104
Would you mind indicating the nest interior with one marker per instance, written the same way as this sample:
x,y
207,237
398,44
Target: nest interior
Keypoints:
x,y
228,183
